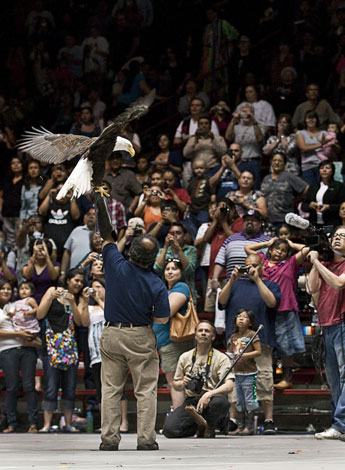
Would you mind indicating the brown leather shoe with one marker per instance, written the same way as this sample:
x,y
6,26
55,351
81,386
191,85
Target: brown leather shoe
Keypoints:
x,y
282,385
210,433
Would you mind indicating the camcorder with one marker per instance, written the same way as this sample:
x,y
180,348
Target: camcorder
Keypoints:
x,y
196,383
317,239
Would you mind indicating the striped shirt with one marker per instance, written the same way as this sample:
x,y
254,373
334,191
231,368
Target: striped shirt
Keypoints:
x,y
232,251
95,333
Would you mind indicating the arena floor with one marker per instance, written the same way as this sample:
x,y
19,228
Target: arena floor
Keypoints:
x,y
73,452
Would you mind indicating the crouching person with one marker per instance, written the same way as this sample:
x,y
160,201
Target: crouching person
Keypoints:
x,y
198,372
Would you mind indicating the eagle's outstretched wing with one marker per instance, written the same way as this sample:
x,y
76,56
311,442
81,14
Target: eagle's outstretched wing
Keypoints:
x,y
106,140
104,146
43,145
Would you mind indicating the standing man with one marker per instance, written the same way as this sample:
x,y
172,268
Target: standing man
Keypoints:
x,y
134,298
263,298
326,284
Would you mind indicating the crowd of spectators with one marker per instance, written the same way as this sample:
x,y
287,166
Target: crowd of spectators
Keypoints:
x,y
240,134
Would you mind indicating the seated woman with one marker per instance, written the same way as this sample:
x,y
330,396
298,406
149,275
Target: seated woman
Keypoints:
x,y
166,158
247,198
92,316
169,351
87,125
59,309
323,199
41,270
18,353
150,209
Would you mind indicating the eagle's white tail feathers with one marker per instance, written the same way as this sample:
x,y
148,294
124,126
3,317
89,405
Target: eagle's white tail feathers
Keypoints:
x,y
79,180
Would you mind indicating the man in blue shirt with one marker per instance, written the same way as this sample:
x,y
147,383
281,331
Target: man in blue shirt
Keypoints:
x,y
134,298
263,298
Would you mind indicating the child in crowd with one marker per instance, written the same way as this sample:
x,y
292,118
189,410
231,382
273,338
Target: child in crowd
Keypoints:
x,y
201,194
24,310
285,232
328,151
245,370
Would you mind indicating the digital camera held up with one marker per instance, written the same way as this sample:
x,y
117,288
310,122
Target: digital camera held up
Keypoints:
x,y
198,380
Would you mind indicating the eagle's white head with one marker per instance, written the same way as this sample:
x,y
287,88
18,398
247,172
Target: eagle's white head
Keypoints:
x,y
124,144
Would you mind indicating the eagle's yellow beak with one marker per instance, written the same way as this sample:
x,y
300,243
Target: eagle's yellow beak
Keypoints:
x,y
131,151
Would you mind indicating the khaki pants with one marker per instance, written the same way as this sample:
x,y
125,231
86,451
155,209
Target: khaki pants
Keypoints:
x,y
133,349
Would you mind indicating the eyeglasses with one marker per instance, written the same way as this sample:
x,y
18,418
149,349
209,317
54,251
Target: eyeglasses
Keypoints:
x,y
339,235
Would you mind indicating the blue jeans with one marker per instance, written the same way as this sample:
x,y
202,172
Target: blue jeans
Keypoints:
x,y
55,378
311,176
334,337
14,360
246,392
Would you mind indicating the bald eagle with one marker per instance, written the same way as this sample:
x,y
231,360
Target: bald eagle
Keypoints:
x,y
43,145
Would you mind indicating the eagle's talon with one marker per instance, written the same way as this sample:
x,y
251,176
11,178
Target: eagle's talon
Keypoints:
x,y
103,192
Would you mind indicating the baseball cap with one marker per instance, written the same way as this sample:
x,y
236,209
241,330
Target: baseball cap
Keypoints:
x,y
134,221
252,213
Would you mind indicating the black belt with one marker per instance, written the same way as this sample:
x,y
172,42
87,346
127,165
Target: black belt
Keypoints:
x,y
124,325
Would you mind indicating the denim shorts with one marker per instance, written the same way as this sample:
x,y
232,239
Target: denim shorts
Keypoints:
x,y
289,335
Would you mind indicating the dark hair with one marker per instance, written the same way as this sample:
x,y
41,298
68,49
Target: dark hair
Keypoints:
x,y
205,116
73,273
169,203
199,99
177,263
101,280
328,162
172,172
9,165
288,227
143,253
88,108
179,224
282,154
27,178
251,317
30,284
289,121
4,281
46,241
277,243
311,114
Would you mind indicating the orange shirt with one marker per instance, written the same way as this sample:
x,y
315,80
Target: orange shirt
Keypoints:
x,y
150,218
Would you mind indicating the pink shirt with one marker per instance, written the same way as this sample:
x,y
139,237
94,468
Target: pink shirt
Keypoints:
x,y
285,275
331,306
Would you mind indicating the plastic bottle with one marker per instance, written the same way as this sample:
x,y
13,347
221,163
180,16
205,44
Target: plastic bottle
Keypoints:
x,y
89,421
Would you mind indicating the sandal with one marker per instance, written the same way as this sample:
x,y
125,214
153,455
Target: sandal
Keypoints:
x,y
9,430
32,429
45,429
71,429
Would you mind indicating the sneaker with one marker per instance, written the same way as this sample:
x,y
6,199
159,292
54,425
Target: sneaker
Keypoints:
x,y
329,433
269,427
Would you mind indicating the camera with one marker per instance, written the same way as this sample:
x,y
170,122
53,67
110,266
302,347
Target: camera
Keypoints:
x,y
224,210
165,186
243,269
100,257
154,192
197,382
219,108
138,230
229,152
90,291
244,115
39,241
